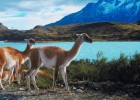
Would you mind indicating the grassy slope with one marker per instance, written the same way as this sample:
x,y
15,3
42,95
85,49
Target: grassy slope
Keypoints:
x,y
102,31
105,31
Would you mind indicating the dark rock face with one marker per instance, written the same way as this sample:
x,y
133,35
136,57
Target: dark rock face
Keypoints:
x,y
104,11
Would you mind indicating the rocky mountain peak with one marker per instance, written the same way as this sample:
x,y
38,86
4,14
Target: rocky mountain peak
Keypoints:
x,y
104,11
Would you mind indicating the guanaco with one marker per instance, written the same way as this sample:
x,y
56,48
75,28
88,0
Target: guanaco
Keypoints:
x,y
55,58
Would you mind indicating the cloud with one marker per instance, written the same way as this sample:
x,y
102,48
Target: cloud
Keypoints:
x,y
25,14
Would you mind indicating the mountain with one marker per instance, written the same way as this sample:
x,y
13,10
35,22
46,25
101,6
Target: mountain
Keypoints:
x,y
2,27
104,11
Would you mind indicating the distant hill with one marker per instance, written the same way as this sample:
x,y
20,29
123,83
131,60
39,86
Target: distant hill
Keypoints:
x,y
104,11
38,32
2,27
102,31
39,29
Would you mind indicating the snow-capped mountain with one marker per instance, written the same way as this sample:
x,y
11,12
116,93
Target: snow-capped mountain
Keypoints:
x,y
104,10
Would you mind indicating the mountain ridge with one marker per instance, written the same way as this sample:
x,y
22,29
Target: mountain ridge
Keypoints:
x,y
104,11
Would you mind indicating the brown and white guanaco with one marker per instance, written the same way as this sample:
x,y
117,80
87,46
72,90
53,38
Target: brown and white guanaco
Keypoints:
x,y
11,59
54,58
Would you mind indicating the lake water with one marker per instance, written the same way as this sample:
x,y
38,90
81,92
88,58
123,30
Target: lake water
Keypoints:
x,y
110,50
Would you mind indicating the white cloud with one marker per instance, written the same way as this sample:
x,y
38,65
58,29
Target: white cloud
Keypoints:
x,y
25,14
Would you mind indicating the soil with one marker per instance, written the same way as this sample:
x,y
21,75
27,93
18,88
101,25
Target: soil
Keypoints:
x,y
19,93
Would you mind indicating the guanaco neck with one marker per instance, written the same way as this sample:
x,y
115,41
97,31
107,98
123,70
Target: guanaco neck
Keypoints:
x,y
74,50
27,50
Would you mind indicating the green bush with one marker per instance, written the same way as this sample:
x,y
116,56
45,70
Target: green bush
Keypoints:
x,y
124,69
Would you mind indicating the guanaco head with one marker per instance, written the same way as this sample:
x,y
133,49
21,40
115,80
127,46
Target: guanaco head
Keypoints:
x,y
85,37
30,41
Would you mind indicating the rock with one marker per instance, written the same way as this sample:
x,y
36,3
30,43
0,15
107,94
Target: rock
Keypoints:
x,y
21,89
79,91
82,88
126,95
61,86
73,88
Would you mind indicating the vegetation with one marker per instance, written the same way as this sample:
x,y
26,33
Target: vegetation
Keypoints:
x,y
125,70
101,31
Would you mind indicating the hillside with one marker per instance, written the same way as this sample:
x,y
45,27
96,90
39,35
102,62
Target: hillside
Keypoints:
x,y
101,31
2,27
105,31
38,32
104,11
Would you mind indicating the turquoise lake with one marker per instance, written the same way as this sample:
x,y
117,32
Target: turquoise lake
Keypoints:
x,y
110,50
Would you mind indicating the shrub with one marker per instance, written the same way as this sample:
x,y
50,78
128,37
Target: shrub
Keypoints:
x,y
124,69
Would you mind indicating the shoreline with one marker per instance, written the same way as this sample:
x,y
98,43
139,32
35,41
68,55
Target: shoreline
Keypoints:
x,y
69,41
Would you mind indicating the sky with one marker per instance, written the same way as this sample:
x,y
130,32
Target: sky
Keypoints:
x,y
26,14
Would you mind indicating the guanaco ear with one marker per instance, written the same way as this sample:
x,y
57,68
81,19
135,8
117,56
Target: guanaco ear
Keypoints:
x,y
78,35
